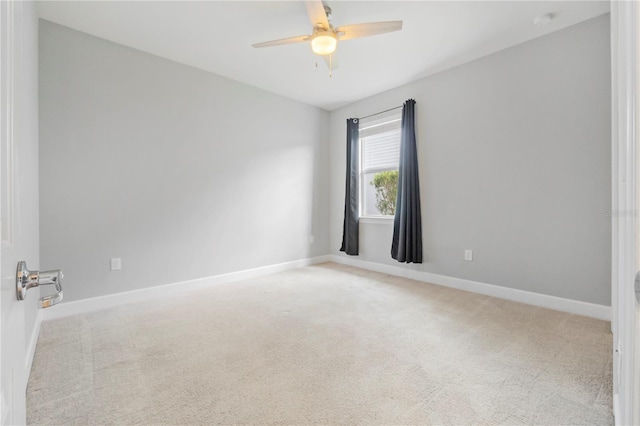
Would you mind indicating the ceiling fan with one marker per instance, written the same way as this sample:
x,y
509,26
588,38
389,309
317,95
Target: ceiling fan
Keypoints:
x,y
324,38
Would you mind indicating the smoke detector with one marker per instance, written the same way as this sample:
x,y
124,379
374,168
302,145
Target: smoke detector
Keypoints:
x,y
542,20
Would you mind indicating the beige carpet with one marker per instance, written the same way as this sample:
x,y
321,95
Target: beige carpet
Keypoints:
x,y
327,344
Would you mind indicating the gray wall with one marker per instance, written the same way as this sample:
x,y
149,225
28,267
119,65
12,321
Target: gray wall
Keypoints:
x,y
514,152
185,174
181,173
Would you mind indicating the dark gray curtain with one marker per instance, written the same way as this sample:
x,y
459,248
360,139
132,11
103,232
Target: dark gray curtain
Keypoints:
x,y
350,225
407,224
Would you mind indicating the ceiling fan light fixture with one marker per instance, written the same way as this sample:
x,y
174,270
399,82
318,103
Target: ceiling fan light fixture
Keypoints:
x,y
324,43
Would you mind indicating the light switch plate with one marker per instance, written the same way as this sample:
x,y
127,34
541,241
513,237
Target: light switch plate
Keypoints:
x,y
468,255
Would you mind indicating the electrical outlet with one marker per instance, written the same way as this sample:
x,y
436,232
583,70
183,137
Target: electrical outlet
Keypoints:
x,y
468,255
116,264
312,239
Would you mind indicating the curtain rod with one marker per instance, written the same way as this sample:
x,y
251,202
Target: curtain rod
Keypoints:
x,y
381,112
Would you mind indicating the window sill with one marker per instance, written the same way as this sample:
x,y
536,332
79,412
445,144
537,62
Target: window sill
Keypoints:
x,y
379,220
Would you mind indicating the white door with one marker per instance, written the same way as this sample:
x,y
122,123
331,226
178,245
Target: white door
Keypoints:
x,y
19,199
625,20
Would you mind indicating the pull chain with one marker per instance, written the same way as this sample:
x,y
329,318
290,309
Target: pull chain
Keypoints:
x,y
330,65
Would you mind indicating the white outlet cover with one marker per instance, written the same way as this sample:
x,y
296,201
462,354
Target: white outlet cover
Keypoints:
x,y
116,264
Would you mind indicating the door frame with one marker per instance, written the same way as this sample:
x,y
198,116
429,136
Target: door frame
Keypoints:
x,y
625,231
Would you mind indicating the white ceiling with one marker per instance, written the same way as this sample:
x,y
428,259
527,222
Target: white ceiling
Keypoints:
x,y
217,35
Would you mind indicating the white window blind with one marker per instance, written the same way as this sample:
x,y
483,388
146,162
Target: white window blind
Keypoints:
x,y
380,137
381,151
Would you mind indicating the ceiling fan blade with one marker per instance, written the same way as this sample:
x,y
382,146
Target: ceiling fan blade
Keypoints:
x,y
347,32
289,40
317,15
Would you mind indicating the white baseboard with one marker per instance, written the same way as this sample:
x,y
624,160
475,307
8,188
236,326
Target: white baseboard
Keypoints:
x,y
5,410
66,309
616,409
545,301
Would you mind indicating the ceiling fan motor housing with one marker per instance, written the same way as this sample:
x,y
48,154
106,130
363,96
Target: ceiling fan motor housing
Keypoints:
x,y
323,42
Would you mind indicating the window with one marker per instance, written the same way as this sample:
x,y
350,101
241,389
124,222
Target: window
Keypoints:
x,y
379,158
